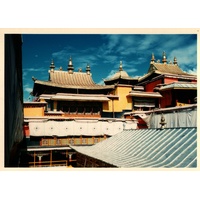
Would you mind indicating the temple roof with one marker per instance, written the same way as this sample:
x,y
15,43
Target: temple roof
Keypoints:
x,y
69,79
147,148
164,68
120,74
179,85
64,79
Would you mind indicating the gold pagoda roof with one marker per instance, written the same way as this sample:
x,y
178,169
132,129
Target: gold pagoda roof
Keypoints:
x,y
70,79
165,68
120,74
64,79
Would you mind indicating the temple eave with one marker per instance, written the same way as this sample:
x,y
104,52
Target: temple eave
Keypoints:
x,y
85,87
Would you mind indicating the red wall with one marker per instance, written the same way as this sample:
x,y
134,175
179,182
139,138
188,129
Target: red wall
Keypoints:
x,y
150,86
26,130
166,100
170,80
194,81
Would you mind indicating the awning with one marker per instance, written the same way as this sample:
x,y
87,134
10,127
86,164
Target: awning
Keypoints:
x,y
76,97
148,105
47,148
79,98
180,86
145,94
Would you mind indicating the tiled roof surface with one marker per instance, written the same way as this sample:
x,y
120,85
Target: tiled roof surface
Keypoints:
x,y
167,68
75,80
120,75
147,148
65,78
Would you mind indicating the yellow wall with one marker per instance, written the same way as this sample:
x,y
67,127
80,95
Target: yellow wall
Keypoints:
x,y
106,106
34,112
120,104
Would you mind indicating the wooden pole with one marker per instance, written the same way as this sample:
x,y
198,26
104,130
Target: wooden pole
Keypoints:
x,y
50,157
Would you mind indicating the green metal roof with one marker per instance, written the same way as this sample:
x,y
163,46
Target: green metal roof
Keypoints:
x,y
178,85
147,148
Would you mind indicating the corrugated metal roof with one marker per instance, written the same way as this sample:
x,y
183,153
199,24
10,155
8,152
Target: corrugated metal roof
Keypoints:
x,y
178,85
147,148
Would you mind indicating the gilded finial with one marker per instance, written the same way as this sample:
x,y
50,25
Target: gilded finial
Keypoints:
x,y
175,61
88,69
164,59
70,65
152,58
120,66
52,66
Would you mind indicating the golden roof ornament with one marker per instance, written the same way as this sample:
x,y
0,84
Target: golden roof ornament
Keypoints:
x,y
88,69
52,66
175,61
120,66
152,58
162,122
70,66
164,58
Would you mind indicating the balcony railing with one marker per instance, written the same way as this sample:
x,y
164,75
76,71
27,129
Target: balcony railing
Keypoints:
x,y
57,163
74,114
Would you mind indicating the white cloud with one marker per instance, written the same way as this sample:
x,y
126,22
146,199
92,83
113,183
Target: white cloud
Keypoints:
x,y
110,75
24,75
113,41
131,70
33,70
186,57
28,89
192,71
60,55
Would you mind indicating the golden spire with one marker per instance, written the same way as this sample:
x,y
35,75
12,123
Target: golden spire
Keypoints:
x,y
52,66
120,66
152,58
88,69
70,66
175,61
164,59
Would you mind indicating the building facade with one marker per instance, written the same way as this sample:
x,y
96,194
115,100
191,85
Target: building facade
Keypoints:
x,y
164,86
69,109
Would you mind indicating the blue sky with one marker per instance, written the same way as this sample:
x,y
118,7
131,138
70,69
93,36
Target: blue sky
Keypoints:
x,y
103,52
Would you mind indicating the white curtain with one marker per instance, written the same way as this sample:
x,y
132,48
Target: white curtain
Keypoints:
x,y
89,128
183,118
